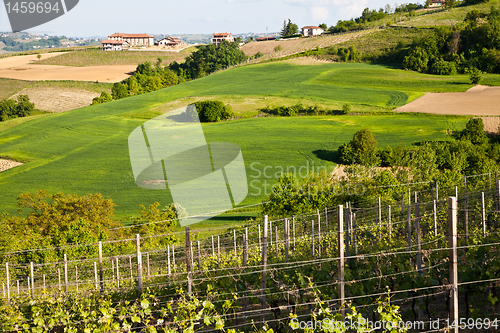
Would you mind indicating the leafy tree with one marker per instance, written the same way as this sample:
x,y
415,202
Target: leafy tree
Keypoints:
x,y
278,48
105,97
365,148
417,60
213,111
24,106
475,75
119,91
323,26
289,28
474,131
258,55
10,108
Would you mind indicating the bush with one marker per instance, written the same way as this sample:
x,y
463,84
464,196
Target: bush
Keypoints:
x,y
258,55
213,111
278,48
105,97
442,67
12,109
346,108
475,75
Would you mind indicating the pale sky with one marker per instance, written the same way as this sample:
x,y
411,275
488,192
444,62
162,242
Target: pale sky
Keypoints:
x,y
102,18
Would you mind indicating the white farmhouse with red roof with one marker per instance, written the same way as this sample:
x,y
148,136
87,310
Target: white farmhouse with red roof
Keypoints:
x,y
131,39
219,37
310,31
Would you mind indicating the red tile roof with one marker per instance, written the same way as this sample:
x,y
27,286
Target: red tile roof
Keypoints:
x,y
222,34
116,34
107,41
311,27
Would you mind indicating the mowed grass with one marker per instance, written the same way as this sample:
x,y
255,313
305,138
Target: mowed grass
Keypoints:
x,y
86,150
93,57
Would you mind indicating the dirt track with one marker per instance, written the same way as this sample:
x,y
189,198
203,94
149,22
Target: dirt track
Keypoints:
x,y
8,164
477,101
21,68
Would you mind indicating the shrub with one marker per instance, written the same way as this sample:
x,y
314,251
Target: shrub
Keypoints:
x,y
105,97
442,67
258,55
213,111
278,48
346,108
475,75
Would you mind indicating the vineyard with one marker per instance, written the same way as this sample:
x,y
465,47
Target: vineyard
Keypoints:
x,y
420,255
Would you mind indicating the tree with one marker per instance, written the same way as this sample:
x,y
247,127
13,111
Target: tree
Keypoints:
x,y
323,26
119,90
24,106
258,55
474,131
364,146
475,75
39,56
213,111
105,97
289,28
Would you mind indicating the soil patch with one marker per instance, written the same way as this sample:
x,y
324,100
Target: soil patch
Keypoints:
x,y
58,99
8,164
22,68
477,101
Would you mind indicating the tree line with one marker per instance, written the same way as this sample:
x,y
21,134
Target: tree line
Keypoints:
x,y
10,108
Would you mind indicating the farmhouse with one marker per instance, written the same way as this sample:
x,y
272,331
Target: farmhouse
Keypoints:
x,y
219,37
436,3
311,31
170,42
114,45
133,39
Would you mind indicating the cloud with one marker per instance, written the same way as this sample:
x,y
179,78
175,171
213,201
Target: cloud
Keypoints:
x,y
320,14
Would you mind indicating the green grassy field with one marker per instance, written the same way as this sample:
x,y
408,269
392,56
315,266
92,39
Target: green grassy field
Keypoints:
x,y
86,150
93,57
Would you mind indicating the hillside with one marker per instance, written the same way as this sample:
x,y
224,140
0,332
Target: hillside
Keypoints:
x,y
85,150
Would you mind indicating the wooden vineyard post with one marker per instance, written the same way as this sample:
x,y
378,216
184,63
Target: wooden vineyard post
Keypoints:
x,y
263,285
76,278
452,244
466,208
59,278
489,180
213,248
326,219
276,235
8,282
101,277
483,214
218,249
379,218
418,235
96,283
293,230
117,272
32,281
199,257
234,241
434,214
245,248
354,234
319,236
139,264
389,222
188,261
346,230
419,250
408,226
169,269
340,235
456,192
66,283
44,285
287,239
312,237
270,231
173,256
